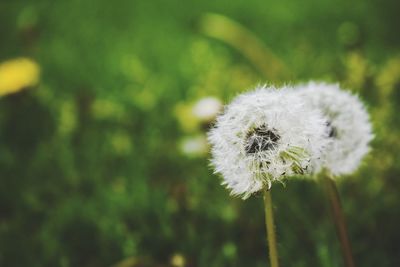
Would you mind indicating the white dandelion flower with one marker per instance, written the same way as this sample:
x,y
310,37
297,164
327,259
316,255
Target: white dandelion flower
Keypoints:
x,y
348,126
264,136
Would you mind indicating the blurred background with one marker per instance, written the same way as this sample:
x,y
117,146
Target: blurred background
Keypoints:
x,y
103,112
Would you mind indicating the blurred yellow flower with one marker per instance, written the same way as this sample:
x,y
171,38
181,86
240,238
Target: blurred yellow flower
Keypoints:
x,y
17,74
358,69
184,115
178,260
388,77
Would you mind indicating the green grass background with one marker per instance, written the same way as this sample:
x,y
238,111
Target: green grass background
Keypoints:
x,y
91,173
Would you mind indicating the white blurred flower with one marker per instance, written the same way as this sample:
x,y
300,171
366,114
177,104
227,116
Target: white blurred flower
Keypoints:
x,y
264,136
348,126
194,146
206,109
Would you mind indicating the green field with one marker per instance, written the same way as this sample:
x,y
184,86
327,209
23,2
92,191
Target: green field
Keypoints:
x,y
96,166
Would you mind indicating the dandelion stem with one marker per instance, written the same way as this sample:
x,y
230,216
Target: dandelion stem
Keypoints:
x,y
269,223
339,219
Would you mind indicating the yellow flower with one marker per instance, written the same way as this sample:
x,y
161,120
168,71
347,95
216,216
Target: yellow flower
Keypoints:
x,y
17,74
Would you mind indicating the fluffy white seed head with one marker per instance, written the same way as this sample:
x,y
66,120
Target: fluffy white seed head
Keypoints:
x,y
348,126
264,136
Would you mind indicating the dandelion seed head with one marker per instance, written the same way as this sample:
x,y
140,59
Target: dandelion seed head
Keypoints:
x,y
264,136
347,123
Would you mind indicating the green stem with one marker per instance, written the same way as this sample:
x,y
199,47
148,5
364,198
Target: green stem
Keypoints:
x,y
269,223
339,219
229,31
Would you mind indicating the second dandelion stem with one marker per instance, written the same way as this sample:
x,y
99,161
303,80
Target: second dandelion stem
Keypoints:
x,y
340,223
269,223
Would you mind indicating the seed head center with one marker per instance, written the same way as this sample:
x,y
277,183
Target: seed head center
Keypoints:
x,y
261,139
332,132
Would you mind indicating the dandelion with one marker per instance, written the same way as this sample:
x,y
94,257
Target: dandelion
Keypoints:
x,y
350,132
348,125
264,136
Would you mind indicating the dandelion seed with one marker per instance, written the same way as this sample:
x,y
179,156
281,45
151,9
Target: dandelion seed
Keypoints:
x,y
264,136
